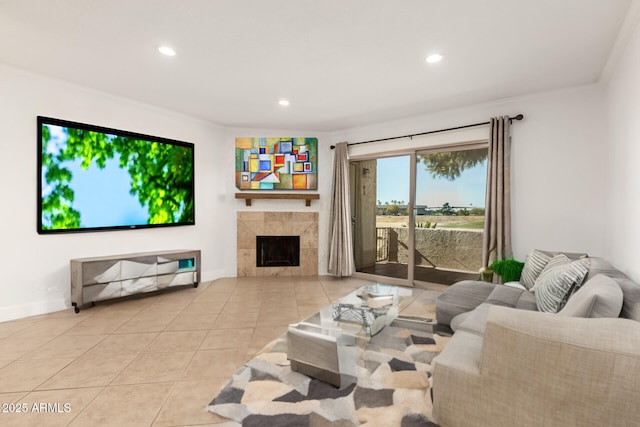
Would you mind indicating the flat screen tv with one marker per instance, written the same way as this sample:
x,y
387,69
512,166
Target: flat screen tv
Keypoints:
x,y
92,178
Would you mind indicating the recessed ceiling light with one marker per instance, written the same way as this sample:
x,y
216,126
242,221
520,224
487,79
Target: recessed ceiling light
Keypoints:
x,y
433,58
284,102
166,50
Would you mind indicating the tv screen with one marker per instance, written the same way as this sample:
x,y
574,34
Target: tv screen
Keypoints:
x,y
92,178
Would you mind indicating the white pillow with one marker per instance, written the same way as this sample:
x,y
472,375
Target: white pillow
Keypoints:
x,y
598,297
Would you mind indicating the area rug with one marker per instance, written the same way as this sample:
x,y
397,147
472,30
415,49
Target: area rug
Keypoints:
x,y
390,388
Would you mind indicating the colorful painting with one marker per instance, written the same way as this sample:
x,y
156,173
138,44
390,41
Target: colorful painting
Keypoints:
x,y
277,163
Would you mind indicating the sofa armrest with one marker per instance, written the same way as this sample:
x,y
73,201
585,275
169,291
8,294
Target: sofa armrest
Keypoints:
x,y
541,369
573,371
611,335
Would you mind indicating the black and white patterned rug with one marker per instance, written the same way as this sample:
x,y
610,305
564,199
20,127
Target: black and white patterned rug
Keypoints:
x,y
391,387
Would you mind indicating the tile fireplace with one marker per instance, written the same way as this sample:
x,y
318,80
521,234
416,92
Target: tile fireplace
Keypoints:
x,y
301,226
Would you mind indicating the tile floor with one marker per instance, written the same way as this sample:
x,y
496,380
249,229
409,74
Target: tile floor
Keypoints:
x,y
156,360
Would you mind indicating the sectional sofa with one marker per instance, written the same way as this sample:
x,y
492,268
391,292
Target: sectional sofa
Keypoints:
x,y
509,364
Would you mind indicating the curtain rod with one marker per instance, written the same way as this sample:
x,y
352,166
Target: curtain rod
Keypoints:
x,y
517,117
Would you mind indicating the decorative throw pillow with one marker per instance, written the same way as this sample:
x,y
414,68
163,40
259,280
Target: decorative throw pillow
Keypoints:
x,y
559,278
556,261
535,262
598,297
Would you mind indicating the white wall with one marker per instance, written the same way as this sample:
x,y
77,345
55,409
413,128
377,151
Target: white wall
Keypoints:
x,y
325,161
558,192
35,268
623,166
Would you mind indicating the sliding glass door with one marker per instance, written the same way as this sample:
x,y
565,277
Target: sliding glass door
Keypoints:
x,y
420,216
380,191
449,213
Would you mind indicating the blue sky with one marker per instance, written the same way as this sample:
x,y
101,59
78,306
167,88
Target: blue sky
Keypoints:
x,y
101,195
393,184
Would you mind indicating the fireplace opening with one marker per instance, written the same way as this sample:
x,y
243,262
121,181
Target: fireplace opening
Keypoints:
x,y
277,251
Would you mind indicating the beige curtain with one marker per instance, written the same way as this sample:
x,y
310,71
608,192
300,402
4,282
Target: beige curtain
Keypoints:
x,y
497,222
340,242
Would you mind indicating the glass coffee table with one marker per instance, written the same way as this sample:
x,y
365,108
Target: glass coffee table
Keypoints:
x,y
325,345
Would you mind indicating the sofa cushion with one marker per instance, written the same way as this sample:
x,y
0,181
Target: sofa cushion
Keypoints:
x,y
461,297
516,285
571,255
602,266
456,321
535,262
558,279
598,297
630,289
504,296
631,304
509,296
473,322
462,353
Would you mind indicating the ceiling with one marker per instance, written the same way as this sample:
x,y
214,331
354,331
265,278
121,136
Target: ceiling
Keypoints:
x,y
341,63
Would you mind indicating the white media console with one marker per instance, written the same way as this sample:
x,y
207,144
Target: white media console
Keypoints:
x,y
100,278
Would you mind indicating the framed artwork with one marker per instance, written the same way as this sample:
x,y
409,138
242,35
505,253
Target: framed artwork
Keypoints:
x,y
277,163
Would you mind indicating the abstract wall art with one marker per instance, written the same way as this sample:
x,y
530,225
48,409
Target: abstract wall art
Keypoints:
x,y
277,163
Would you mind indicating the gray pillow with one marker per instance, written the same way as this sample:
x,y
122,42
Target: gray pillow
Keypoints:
x,y
559,278
535,262
598,297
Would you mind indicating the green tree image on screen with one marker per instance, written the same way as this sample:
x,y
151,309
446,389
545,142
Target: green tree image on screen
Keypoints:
x,y
161,175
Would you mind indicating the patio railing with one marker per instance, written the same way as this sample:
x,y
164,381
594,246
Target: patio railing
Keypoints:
x,y
382,244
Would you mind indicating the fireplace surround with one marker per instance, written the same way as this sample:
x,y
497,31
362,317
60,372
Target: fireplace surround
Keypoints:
x,y
252,224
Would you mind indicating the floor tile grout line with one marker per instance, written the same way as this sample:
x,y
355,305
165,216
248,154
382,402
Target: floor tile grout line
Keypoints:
x,y
142,352
87,405
175,383
75,358
164,402
235,292
78,357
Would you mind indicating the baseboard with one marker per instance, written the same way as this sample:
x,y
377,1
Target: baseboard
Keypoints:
x,y
32,309
212,275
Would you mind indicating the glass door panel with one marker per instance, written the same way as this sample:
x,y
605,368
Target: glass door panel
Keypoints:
x,y
449,214
380,191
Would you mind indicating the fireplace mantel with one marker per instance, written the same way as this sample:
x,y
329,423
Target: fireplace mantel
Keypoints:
x,y
308,197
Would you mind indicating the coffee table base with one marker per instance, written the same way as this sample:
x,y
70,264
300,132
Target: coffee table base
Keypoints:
x,y
333,378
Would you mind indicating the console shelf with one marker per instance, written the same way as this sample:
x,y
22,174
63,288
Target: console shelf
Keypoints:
x,y
101,278
308,197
